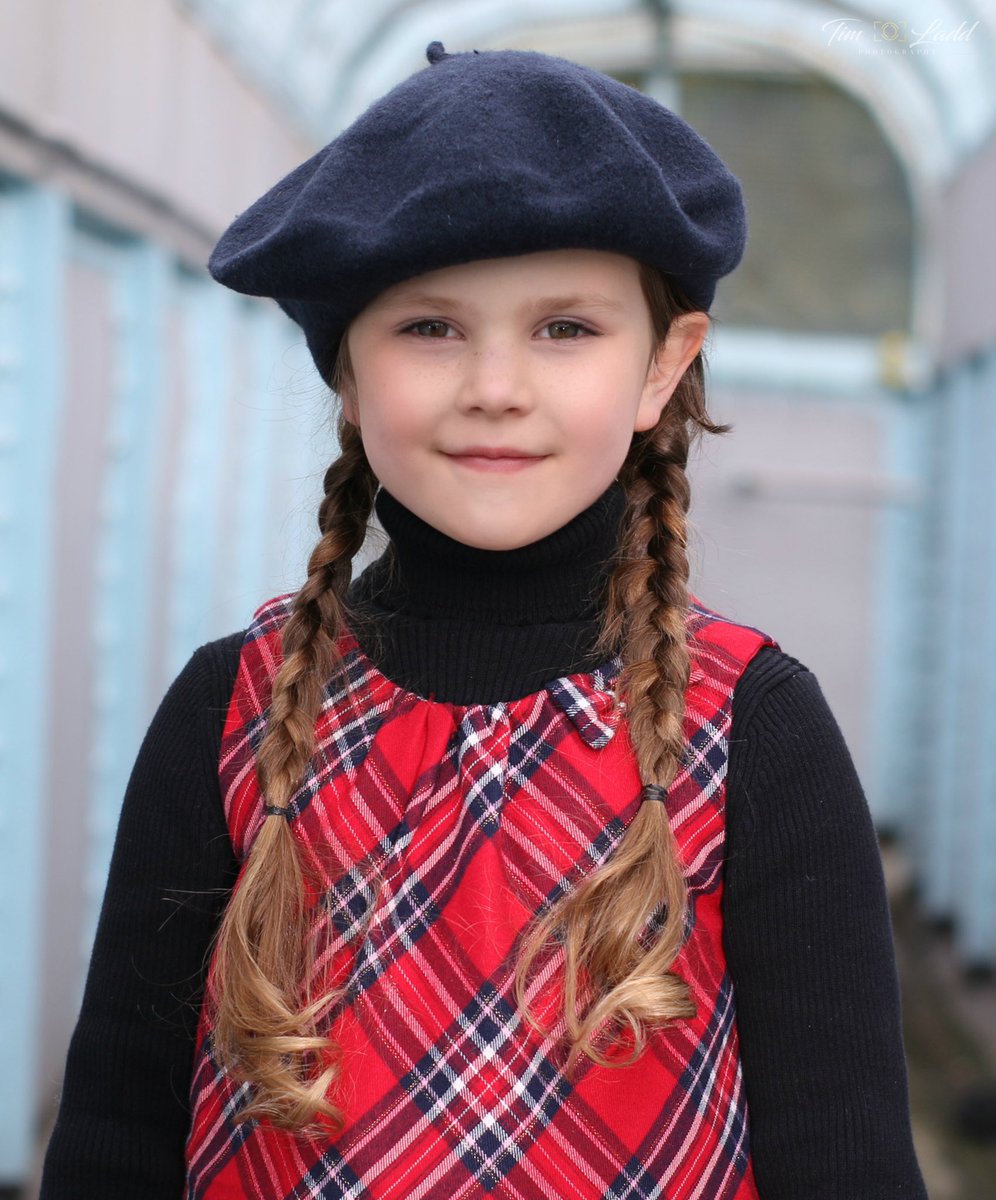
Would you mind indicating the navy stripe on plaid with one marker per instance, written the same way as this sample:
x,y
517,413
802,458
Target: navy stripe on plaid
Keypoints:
x,y
534,740
577,696
482,761
489,1142
330,1168
346,744
706,755
597,853
699,1091
227,1137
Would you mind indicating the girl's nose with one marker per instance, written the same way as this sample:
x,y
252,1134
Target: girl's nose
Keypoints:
x,y
496,381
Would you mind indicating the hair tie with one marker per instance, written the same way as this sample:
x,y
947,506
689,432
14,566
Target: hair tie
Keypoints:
x,y
653,791
277,810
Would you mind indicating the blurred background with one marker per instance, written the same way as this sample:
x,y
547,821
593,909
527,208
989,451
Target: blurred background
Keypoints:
x,y
162,440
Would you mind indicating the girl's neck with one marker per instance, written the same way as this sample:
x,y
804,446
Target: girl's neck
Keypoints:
x,y
473,626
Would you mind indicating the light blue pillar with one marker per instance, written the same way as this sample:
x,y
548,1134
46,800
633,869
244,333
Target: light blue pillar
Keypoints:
x,y
898,671
208,324
265,415
932,564
305,446
941,829
140,275
34,226
976,924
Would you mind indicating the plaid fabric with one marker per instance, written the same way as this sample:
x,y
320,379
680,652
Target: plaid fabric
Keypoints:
x,y
440,830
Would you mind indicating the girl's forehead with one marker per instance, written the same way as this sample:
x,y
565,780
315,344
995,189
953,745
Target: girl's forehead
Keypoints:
x,y
601,275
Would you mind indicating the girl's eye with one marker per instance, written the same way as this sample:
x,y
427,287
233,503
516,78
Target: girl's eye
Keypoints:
x,y
564,330
429,329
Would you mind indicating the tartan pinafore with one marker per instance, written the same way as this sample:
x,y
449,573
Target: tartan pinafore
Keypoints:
x,y
453,825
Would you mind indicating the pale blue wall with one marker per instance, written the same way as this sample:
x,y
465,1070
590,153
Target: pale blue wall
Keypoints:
x,y
34,230
202,457
951,814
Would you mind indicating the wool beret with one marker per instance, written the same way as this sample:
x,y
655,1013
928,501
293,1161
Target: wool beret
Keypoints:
x,y
485,155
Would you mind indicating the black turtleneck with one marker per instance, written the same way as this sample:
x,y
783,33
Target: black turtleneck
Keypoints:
x,y
805,923
473,626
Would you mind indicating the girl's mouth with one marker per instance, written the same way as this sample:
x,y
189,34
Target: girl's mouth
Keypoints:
x,y
501,459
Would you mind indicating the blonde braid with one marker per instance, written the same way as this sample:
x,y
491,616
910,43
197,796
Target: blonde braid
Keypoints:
x,y
266,1021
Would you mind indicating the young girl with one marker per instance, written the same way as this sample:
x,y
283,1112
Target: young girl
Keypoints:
x,y
547,880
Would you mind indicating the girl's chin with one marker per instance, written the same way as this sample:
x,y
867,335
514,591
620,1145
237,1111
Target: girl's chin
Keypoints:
x,y
492,532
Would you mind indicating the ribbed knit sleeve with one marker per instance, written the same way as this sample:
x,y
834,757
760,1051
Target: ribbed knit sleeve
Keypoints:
x,y
809,948
124,1112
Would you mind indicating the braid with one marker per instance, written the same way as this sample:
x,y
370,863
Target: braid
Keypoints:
x,y
310,655
617,979
266,1027
648,598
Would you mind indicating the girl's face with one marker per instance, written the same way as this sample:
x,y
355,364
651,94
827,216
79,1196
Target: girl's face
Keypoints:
x,y
497,399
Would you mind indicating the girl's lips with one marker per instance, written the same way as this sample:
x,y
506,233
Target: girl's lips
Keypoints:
x,y
501,460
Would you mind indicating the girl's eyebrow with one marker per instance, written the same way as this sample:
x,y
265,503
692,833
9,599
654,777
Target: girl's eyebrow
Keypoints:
x,y
587,300
423,300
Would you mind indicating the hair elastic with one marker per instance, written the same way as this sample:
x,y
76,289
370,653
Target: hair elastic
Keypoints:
x,y
653,791
276,810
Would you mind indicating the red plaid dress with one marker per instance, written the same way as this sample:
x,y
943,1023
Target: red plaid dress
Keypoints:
x,y
457,823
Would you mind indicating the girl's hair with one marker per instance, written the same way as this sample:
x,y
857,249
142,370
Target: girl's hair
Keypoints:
x,y
267,1022
616,979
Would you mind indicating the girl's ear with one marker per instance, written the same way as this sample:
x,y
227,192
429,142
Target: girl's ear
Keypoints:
x,y
343,382
673,358
347,397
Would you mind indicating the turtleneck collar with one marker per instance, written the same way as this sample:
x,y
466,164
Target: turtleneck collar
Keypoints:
x,y
553,579
472,626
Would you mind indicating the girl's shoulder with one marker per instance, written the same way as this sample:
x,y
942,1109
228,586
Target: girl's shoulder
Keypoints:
x,y
270,617
219,659
708,628
771,670
206,682
776,700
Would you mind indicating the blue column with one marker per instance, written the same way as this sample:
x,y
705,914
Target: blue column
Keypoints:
x,y
303,448
976,924
34,225
140,276
207,314
898,670
263,397
941,831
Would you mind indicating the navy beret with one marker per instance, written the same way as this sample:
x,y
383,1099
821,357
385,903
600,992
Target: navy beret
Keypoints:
x,y
485,155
